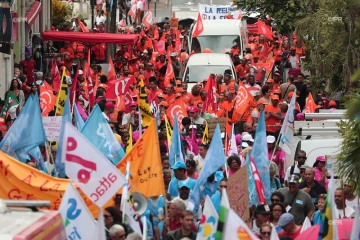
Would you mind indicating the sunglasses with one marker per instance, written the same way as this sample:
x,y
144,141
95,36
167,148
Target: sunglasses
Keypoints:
x,y
266,233
275,200
301,157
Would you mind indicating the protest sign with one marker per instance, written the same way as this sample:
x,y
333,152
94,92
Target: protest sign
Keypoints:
x,y
215,12
237,190
52,128
212,125
174,23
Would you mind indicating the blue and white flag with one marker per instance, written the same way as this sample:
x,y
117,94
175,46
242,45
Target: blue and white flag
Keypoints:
x,y
36,154
97,130
78,221
66,117
176,153
286,142
27,131
214,159
253,195
260,155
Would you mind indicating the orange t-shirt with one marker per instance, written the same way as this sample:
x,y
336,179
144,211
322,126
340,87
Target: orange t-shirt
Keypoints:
x,y
272,120
241,70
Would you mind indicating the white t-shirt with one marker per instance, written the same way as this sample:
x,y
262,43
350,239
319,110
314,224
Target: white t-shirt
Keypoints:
x,y
353,204
139,5
287,174
255,228
100,19
339,213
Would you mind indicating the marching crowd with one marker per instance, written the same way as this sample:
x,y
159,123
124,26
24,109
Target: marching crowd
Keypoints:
x,y
296,193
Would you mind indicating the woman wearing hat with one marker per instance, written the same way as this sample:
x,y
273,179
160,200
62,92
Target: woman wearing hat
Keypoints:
x,y
321,171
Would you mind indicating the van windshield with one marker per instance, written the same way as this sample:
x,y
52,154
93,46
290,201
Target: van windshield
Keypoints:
x,y
196,74
217,43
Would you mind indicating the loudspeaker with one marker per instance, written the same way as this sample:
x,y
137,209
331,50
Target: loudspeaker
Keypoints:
x,y
140,202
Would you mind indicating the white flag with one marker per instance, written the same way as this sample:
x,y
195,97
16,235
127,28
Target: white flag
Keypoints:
x,y
274,235
131,217
100,227
355,228
78,221
97,177
286,142
306,225
209,222
235,226
232,144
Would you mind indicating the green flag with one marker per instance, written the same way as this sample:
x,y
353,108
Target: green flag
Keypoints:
x,y
224,208
10,102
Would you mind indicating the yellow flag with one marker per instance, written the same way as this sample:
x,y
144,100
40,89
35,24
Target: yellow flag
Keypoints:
x,y
146,114
61,99
129,144
205,138
168,131
145,169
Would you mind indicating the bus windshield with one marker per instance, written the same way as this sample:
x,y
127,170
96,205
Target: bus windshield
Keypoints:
x,y
198,73
216,43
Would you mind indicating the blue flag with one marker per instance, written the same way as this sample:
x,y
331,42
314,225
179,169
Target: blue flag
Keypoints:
x,y
97,130
40,164
253,196
26,133
260,155
214,159
79,121
66,117
175,149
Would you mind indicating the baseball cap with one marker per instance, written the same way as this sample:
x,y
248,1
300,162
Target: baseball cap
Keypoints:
x,y
179,165
321,159
304,167
81,72
194,109
277,91
270,139
247,138
274,97
184,184
262,209
109,105
285,219
294,179
163,103
132,104
231,87
270,80
332,103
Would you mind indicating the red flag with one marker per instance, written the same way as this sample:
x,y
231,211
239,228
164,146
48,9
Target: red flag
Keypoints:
x,y
258,183
243,98
199,27
268,66
310,106
132,11
160,47
90,86
264,53
47,99
210,103
55,75
73,87
177,107
264,30
119,87
310,233
148,19
156,32
111,71
82,26
169,75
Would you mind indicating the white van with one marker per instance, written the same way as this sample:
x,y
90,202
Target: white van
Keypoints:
x,y
219,36
200,66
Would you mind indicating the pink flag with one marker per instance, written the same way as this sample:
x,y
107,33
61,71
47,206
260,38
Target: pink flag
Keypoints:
x,y
82,112
310,233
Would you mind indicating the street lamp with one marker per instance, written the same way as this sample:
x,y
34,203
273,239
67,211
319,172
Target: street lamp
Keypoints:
x,y
92,4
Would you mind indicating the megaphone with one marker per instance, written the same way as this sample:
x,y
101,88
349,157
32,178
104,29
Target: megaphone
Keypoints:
x,y
140,202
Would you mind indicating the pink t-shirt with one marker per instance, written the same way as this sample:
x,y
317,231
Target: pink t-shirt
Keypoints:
x,y
278,159
318,175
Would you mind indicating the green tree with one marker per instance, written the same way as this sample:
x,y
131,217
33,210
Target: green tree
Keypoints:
x,y
331,35
284,13
60,13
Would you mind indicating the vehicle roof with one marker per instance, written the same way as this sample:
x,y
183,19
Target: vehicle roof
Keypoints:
x,y
221,27
200,59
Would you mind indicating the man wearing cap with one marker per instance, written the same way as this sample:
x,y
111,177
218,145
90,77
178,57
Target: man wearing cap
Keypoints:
x,y
288,225
262,215
109,109
247,138
300,158
273,116
195,116
297,202
179,169
129,117
311,186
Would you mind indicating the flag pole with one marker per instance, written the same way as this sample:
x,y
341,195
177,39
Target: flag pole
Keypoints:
x,y
276,145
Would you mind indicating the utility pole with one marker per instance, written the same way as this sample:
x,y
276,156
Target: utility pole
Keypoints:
x,y
92,4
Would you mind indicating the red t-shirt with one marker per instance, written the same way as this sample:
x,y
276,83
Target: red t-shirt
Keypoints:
x,y
282,233
272,120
